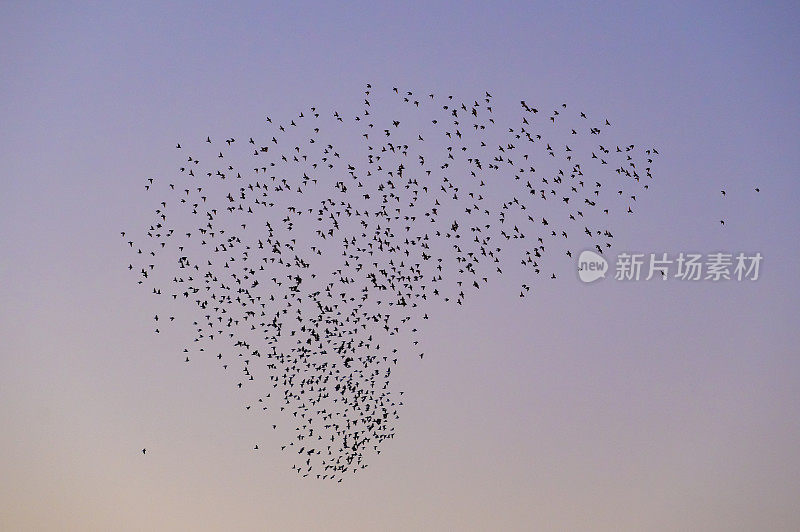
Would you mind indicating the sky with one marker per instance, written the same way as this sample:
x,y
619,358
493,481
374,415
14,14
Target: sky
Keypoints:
x,y
603,406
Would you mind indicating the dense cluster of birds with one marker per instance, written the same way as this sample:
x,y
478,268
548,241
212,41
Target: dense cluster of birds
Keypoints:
x,y
308,255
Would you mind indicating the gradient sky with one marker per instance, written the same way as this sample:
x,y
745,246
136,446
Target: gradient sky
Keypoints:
x,y
611,406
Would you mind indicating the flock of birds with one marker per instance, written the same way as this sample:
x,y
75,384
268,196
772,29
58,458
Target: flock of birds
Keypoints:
x,y
308,256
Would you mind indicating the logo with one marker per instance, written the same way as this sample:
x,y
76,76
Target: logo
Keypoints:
x,y
715,267
591,266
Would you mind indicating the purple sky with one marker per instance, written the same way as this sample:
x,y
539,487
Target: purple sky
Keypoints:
x,y
611,406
